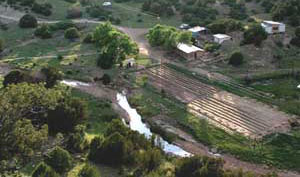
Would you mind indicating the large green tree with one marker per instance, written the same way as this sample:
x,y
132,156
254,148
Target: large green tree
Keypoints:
x,y
113,44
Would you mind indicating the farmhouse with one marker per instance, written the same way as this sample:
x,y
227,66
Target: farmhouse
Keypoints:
x,y
189,52
220,38
272,27
197,30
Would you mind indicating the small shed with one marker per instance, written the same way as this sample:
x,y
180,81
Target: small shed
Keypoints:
x,y
272,27
189,52
220,38
197,30
106,4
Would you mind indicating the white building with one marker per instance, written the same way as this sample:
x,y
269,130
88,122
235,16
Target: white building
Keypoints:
x,y
189,52
197,30
220,38
106,4
272,27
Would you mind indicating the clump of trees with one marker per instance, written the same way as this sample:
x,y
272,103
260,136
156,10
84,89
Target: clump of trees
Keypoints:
x,y
44,170
97,11
113,45
59,159
43,8
167,36
286,10
72,33
89,171
255,34
159,7
28,21
74,12
223,26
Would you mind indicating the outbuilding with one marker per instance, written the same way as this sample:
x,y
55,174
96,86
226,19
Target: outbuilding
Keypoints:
x,y
107,4
197,31
220,38
272,27
189,52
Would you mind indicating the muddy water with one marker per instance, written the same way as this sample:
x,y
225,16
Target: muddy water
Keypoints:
x,y
137,125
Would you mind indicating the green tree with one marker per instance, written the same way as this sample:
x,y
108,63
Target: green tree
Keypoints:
x,y
72,33
43,32
89,171
59,159
112,44
14,77
52,75
67,115
236,58
26,138
43,170
255,34
31,101
28,21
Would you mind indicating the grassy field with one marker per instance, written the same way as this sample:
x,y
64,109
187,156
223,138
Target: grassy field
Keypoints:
x,y
273,150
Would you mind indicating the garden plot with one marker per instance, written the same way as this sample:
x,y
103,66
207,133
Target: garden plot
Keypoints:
x,y
228,111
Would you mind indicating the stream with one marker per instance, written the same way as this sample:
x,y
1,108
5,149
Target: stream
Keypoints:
x,y
136,122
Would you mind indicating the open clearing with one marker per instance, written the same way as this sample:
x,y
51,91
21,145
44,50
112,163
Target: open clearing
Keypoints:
x,y
225,110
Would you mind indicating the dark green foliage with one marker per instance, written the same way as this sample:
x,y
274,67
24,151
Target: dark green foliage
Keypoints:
x,y
72,33
52,75
89,171
74,12
1,45
106,79
197,166
89,38
158,7
97,11
28,21
15,77
105,61
44,9
66,116
76,141
223,26
211,46
236,58
43,170
62,25
296,40
255,34
43,32
59,159
288,9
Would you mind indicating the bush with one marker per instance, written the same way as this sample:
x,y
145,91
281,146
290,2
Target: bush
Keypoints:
x,y
52,75
43,170
89,38
74,12
211,46
59,159
44,9
63,25
1,45
43,32
106,79
89,171
28,21
72,33
16,77
236,59
76,141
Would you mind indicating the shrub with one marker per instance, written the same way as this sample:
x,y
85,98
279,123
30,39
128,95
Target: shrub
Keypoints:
x,y
52,75
72,33
15,77
211,46
63,25
74,12
236,58
89,171
43,32
106,79
59,159
43,170
89,38
76,141
44,9
28,21
1,45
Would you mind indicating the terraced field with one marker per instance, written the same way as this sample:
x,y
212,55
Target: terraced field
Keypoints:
x,y
226,110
